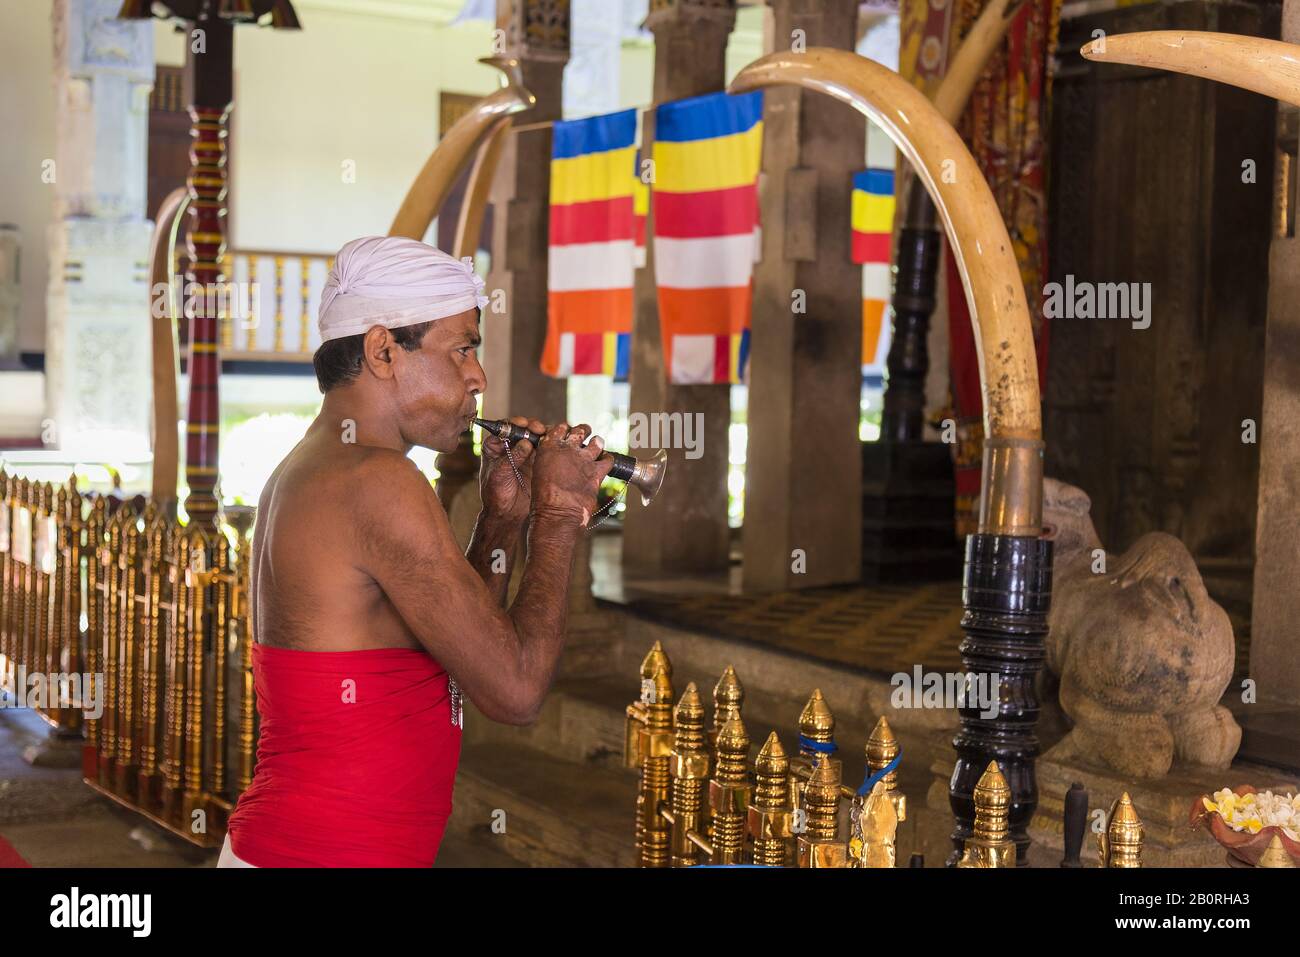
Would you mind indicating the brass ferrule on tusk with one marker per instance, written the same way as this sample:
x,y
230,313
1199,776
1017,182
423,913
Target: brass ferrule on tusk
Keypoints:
x,y
978,237
1252,63
432,186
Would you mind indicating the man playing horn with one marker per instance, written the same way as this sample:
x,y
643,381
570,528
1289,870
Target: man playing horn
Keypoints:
x,y
369,621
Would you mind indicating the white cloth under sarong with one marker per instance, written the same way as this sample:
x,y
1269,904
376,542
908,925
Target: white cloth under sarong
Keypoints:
x,y
228,858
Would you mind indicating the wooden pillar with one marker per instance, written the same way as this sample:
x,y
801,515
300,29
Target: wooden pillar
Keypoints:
x,y
1274,661
209,75
803,485
536,34
686,530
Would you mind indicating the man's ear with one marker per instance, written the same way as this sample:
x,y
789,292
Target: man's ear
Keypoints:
x,y
377,352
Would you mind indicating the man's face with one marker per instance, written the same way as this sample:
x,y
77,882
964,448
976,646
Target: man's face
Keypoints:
x,y
437,384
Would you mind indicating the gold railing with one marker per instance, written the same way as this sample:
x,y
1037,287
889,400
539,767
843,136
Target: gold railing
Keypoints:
x,y
162,671
41,552
272,300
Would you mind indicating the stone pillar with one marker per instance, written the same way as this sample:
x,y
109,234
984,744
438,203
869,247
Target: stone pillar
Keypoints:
x,y
686,528
1274,646
803,484
10,292
97,345
537,34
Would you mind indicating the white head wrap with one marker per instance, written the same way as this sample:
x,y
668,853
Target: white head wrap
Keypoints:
x,y
392,281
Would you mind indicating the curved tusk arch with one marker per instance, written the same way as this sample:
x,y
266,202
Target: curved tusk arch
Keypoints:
x,y
166,362
1011,497
470,224
1264,66
430,189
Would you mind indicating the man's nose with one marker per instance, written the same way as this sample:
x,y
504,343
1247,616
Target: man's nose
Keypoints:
x,y
477,380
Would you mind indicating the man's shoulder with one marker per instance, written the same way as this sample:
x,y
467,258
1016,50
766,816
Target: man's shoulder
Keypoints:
x,y
350,477
359,468
386,473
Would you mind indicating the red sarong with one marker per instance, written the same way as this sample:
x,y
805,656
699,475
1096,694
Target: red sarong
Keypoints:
x,y
356,760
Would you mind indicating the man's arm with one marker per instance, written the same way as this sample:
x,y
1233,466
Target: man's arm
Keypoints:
x,y
505,661
492,550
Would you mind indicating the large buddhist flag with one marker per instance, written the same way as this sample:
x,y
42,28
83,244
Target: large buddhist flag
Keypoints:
x,y
873,224
592,238
705,200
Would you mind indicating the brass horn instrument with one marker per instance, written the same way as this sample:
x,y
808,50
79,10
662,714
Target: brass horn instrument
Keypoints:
x,y
647,475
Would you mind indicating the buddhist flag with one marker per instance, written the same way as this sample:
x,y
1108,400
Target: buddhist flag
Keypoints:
x,y
591,246
706,158
873,224
640,207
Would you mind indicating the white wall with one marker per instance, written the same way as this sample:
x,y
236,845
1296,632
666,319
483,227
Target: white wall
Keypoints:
x,y
350,87
27,137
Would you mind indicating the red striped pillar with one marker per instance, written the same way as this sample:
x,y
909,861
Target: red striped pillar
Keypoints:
x,y
211,71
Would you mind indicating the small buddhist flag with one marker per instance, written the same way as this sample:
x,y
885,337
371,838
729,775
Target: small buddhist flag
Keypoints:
x,y
707,151
873,225
591,246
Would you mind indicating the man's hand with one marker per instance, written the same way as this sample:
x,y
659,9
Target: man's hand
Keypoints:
x,y
502,496
568,473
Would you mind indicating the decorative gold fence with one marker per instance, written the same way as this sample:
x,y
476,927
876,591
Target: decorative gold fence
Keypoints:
x,y
41,551
701,802
161,660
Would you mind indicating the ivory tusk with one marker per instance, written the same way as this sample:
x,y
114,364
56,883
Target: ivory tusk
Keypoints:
x,y
1264,66
430,189
470,224
166,364
973,56
1011,498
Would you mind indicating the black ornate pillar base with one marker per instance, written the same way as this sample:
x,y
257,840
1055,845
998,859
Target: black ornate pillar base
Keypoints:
x,y
907,495
1006,591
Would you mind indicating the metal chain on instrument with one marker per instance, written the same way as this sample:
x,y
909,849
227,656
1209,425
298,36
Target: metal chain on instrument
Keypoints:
x,y
520,479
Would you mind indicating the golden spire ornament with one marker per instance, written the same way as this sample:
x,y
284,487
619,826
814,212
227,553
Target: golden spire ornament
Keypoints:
x,y
816,736
654,661
816,723
770,814
1120,844
990,845
819,845
882,749
689,768
728,697
729,793
655,748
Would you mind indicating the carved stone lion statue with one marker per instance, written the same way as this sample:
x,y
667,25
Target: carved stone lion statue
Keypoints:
x,y
1142,652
